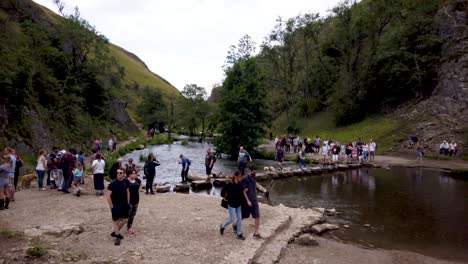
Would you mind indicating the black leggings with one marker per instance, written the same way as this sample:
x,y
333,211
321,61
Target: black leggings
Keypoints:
x,y
131,214
149,183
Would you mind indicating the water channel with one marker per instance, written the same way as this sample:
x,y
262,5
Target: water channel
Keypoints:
x,y
418,210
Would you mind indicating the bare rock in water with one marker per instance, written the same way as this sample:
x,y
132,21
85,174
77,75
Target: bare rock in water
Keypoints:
x,y
322,228
181,187
201,185
367,225
163,188
220,182
306,240
330,212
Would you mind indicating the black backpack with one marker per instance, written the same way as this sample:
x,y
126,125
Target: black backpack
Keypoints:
x,y
146,168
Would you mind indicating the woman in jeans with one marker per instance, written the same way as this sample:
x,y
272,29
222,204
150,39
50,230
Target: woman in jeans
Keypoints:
x,y
234,194
41,168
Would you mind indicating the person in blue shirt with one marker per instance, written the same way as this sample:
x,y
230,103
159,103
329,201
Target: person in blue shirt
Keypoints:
x,y
185,168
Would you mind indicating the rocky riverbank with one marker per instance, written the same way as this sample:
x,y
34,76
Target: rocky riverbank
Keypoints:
x,y
170,228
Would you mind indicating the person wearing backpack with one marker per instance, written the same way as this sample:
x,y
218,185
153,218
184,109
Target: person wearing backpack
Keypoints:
x,y
185,167
150,172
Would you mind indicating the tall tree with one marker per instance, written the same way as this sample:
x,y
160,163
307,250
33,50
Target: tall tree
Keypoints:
x,y
244,111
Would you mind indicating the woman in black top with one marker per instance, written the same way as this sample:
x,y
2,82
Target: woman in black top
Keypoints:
x,y
234,194
134,186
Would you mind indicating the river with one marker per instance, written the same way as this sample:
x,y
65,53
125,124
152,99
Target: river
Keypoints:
x,y
410,209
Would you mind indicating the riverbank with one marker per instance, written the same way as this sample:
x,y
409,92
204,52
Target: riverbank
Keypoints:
x,y
170,228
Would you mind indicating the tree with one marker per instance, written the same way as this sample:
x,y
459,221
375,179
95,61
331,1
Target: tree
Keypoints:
x,y
243,51
152,110
195,110
244,111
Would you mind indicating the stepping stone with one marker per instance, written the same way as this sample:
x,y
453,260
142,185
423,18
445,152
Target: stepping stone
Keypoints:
x,y
298,172
322,228
220,182
201,185
163,188
181,187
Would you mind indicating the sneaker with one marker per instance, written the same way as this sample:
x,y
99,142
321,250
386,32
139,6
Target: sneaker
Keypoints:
x,y
240,237
221,229
113,234
119,236
117,241
130,231
258,236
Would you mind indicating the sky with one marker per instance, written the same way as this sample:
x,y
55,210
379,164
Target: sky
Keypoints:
x,y
186,41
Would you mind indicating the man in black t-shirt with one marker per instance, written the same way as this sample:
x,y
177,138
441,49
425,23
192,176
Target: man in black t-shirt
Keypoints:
x,y
118,197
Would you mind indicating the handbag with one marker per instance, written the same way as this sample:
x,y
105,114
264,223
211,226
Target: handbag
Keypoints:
x,y
224,203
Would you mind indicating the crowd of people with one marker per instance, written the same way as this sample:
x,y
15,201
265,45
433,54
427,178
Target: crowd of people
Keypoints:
x,y
448,149
329,150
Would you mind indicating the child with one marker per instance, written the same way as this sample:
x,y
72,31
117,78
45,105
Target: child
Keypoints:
x,y
78,173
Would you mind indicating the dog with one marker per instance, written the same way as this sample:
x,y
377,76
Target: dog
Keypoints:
x,y
27,179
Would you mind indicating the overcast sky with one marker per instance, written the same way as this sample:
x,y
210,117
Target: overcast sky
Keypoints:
x,y
186,41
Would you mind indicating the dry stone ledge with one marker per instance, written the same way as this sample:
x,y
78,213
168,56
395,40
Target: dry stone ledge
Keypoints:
x,y
181,187
306,240
330,212
322,228
56,230
201,185
298,172
163,188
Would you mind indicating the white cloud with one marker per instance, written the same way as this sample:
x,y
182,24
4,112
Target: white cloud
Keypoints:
x,y
187,41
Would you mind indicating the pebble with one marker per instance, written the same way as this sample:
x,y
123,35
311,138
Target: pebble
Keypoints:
x,y
346,226
367,225
198,218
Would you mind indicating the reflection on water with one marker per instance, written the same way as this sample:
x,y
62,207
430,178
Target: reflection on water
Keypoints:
x,y
409,209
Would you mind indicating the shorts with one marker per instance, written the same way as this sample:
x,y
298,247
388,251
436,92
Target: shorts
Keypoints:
x,y
365,154
208,170
253,211
77,179
120,212
4,183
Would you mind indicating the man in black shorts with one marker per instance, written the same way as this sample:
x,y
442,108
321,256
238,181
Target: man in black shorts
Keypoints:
x,y
249,184
118,197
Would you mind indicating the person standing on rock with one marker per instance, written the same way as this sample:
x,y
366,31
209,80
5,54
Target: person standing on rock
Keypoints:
x,y
150,172
118,197
234,194
134,186
210,159
185,168
242,160
249,184
98,174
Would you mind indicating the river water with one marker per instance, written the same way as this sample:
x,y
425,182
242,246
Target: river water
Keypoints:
x,y
410,209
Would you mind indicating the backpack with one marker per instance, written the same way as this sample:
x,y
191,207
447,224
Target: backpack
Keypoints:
x,y
146,168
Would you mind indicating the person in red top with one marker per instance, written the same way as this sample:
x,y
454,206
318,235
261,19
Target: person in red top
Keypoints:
x,y
67,164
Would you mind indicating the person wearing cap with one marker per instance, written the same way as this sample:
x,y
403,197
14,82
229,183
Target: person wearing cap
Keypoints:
x,y
113,170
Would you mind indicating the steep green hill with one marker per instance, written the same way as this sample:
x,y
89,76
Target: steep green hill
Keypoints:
x,y
63,83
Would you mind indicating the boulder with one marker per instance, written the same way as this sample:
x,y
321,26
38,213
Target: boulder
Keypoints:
x,y
140,147
306,240
343,167
201,185
367,225
322,228
181,187
163,188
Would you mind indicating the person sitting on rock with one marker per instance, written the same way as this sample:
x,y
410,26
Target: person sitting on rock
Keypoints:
x,y
444,148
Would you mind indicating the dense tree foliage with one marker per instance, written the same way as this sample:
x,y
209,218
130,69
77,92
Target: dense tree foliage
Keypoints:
x,y
243,109
364,58
63,73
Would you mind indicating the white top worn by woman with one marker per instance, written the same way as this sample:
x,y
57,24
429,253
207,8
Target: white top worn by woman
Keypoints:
x,y
40,163
98,166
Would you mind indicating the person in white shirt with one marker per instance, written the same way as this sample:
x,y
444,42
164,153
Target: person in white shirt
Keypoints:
x,y
372,148
110,143
325,149
98,174
453,148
